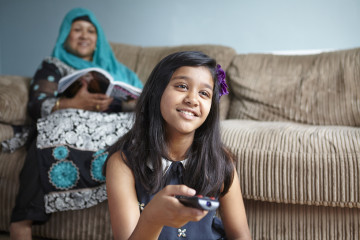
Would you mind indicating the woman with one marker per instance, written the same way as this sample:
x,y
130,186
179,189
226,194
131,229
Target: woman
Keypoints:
x,y
68,153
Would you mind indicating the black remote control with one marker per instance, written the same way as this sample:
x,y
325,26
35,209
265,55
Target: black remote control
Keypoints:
x,y
200,202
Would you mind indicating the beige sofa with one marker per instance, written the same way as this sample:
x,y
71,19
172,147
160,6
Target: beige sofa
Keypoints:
x,y
291,121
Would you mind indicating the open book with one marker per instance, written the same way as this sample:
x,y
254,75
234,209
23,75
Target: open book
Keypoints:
x,y
99,81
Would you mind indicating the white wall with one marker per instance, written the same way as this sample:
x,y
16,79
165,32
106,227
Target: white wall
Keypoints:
x,y
28,28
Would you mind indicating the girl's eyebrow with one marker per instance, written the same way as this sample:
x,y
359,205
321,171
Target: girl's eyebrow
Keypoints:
x,y
187,78
179,77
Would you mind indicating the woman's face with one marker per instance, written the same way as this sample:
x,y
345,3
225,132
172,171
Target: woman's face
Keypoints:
x,y
82,40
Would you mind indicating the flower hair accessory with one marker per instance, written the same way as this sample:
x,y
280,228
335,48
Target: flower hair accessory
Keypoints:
x,y
221,78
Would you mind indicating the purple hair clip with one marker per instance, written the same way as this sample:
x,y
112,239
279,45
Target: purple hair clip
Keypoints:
x,y
221,78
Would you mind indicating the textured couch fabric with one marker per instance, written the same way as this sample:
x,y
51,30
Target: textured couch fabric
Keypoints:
x,y
320,89
294,163
293,124
14,94
291,121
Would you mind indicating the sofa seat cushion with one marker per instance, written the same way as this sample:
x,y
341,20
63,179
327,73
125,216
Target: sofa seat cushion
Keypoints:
x,y
319,89
14,92
296,163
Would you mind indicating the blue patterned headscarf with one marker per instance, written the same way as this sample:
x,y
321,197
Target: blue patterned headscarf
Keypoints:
x,y
103,56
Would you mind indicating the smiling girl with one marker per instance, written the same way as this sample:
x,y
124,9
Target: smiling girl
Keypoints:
x,y
175,148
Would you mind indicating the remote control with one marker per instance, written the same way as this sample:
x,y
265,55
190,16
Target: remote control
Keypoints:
x,y
200,202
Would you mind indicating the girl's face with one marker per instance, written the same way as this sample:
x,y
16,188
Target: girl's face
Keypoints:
x,y
186,101
82,40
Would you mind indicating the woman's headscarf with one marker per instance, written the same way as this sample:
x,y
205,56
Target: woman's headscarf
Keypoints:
x,y
103,55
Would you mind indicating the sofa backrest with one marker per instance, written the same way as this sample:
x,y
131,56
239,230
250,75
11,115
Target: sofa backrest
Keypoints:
x,y
142,60
319,89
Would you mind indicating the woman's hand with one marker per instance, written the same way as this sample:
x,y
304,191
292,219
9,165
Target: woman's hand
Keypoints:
x,y
166,210
86,100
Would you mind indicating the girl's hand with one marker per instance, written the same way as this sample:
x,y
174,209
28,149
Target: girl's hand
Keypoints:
x,y
86,100
166,210
163,210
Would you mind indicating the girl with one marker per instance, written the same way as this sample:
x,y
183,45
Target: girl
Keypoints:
x,y
175,148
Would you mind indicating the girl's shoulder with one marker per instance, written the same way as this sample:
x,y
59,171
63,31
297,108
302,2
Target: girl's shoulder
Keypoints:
x,y
117,162
118,156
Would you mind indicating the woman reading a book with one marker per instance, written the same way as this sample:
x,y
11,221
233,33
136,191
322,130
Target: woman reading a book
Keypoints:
x,y
63,168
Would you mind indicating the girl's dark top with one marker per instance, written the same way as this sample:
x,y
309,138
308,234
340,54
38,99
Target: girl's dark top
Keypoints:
x,y
210,227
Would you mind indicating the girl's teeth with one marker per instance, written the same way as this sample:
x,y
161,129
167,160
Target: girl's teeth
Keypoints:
x,y
188,113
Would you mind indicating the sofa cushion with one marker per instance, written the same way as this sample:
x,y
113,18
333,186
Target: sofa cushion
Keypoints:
x,y
14,91
10,167
320,89
127,54
296,163
150,56
277,221
85,224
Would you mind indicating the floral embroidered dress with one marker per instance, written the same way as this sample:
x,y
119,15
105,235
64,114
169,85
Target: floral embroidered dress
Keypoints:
x,y
71,147
63,169
210,227
71,152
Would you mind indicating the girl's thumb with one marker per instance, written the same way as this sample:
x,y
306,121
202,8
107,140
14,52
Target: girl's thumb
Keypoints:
x,y
182,190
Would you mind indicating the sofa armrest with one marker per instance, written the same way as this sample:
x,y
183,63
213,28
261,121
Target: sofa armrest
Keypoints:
x,y
14,95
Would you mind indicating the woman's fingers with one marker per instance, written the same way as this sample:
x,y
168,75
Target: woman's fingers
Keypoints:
x,y
103,103
90,101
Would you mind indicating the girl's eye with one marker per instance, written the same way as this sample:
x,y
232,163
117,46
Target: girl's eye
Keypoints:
x,y
205,93
182,86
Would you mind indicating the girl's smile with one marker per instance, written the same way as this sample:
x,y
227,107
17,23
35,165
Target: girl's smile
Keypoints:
x,y
188,113
186,101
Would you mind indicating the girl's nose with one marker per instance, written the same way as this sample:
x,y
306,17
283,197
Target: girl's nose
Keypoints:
x,y
191,99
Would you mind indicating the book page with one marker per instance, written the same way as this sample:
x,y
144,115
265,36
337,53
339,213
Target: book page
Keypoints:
x,y
119,92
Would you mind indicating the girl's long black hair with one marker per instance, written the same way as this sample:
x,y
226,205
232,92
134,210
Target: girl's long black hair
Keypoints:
x,y
209,169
